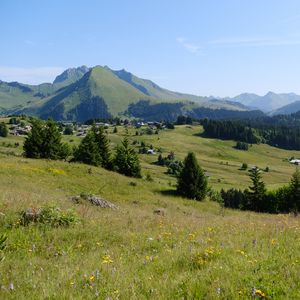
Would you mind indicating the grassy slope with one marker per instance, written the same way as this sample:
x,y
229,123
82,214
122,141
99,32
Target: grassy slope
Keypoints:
x,y
11,97
117,93
195,251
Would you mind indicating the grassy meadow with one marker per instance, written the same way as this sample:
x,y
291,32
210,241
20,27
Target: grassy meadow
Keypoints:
x,y
196,250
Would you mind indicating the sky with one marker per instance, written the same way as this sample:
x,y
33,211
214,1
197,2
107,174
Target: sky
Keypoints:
x,y
203,47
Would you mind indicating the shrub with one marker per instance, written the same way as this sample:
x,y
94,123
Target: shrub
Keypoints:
x,y
68,130
215,196
170,125
52,216
242,146
175,168
244,166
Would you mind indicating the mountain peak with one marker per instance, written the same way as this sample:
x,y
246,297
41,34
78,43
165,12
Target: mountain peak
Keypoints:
x,y
71,75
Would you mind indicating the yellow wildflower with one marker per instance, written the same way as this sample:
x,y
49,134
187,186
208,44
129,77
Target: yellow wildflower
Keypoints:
x,y
273,242
260,293
106,259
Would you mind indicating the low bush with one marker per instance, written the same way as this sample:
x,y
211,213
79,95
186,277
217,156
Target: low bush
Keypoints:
x,y
52,216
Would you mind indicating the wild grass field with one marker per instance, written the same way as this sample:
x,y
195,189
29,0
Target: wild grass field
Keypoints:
x,y
196,250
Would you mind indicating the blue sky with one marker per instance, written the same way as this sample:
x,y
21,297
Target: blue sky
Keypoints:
x,y
204,47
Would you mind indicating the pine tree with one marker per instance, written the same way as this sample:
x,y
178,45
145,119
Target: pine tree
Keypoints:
x,y
103,146
3,130
192,182
44,141
87,151
34,141
294,201
52,147
257,191
126,160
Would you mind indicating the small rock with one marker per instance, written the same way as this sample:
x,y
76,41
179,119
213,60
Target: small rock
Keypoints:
x,y
30,215
101,202
159,211
94,200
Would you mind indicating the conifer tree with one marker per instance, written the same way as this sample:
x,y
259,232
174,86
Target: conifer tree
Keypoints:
x,y
52,147
103,146
294,201
192,182
126,160
257,191
3,130
87,151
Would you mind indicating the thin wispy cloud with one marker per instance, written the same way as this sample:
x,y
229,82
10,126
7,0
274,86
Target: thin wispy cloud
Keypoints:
x,y
253,42
29,75
29,42
188,46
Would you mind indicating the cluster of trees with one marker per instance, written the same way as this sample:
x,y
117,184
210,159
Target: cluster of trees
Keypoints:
x,y
44,141
257,198
255,132
182,120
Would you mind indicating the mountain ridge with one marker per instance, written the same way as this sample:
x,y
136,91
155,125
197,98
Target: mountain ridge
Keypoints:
x,y
100,92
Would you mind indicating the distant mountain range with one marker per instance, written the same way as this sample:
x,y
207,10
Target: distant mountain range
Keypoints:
x,y
83,93
269,103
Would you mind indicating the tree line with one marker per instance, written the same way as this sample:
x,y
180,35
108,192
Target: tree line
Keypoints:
x,y
256,198
282,136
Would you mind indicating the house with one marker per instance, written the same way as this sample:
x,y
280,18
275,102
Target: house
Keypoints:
x,y
295,161
150,151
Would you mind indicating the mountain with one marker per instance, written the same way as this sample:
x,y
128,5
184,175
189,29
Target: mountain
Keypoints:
x,y
14,96
267,103
152,89
70,76
83,93
287,109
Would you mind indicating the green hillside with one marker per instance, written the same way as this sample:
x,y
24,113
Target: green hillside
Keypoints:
x,y
196,250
